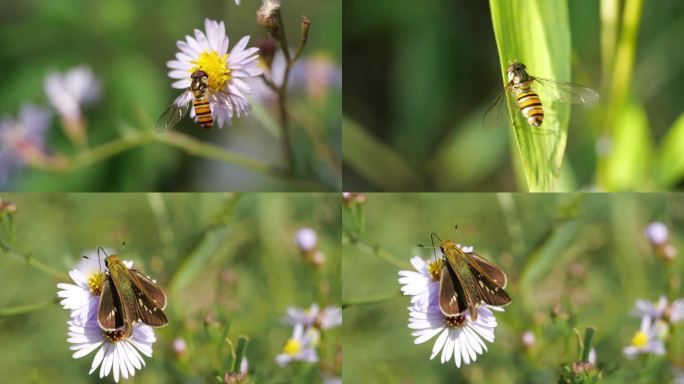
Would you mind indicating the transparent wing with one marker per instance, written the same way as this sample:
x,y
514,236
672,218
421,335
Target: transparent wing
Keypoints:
x,y
565,92
496,113
174,113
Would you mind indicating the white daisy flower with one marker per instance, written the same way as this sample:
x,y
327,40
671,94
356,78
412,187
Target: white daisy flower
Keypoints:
x,y
69,91
116,354
227,72
645,340
459,336
660,310
421,285
329,317
22,140
655,310
83,298
300,347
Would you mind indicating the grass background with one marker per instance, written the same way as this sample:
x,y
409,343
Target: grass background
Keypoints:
x,y
127,44
586,253
422,75
229,255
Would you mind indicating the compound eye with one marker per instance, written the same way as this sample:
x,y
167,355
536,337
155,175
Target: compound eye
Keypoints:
x,y
441,249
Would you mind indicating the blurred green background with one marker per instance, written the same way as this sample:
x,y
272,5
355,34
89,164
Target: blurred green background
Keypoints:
x,y
421,76
127,44
586,253
231,258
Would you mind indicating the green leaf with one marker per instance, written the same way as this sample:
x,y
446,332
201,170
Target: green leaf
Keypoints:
x,y
537,33
627,165
670,164
375,161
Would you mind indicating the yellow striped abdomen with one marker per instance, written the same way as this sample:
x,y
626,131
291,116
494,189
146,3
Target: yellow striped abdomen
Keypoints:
x,y
529,103
203,112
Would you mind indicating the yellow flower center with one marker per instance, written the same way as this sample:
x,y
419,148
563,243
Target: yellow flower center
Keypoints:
x,y
640,339
95,282
114,336
216,68
435,269
292,347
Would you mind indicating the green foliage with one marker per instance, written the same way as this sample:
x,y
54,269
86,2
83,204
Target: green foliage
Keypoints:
x,y
227,262
575,265
127,45
537,33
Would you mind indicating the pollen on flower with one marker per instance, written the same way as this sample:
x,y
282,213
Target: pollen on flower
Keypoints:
x,y
455,322
114,336
216,68
95,282
435,269
640,339
292,347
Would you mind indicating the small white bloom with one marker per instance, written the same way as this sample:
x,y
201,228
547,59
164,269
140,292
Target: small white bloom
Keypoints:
x,y
116,354
458,336
329,317
237,2
528,339
656,233
306,239
645,340
300,347
22,139
83,298
592,356
179,345
69,91
227,72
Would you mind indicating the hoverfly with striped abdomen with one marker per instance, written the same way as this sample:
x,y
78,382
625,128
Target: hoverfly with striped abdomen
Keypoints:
x,y
523,88
198,94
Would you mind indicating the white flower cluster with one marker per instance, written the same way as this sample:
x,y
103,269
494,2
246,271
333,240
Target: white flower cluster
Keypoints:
x,y
308,325
460,336
117,353
656,321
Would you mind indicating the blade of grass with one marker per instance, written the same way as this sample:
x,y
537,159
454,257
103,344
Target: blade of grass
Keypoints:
x,y
670,166
537,33
375,161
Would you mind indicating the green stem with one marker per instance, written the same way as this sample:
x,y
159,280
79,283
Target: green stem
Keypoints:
x,y
24,309
186,143
379,252
34,263
371,300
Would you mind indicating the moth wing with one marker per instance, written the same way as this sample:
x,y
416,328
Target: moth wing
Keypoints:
x,y
110,312
452,297
156,294
488,291
492,271
143,306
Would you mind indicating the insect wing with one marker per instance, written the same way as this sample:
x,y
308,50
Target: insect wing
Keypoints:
x,y
156,294
451,296
487,290
495,115
174,113
144,306
492,271
564,92
110,312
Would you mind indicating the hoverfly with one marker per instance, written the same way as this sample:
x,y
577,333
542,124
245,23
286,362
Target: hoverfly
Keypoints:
x,y
520,86
198,93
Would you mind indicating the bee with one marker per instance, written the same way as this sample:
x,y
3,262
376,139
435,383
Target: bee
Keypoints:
x,y
521,86
198,93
